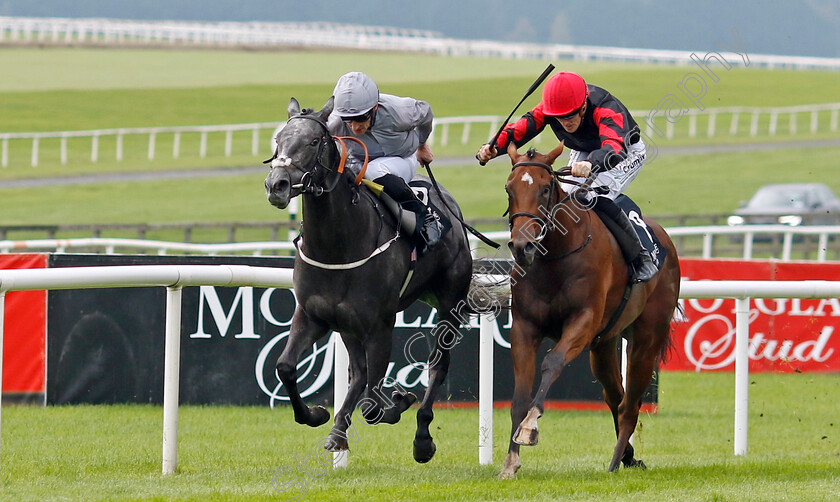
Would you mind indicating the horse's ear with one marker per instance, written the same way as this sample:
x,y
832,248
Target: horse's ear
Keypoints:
x,y
327,109
294,108
511,151
552,155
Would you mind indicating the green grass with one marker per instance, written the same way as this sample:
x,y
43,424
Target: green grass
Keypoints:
x,y
80,89
673,184
239,453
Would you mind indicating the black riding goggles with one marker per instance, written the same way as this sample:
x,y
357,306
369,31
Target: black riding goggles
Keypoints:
x,y
570,115
359,118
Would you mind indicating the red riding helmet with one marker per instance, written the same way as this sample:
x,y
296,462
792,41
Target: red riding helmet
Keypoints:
x,y
564,94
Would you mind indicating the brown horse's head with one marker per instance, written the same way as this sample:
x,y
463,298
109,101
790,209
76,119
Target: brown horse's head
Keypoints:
x,y
531,187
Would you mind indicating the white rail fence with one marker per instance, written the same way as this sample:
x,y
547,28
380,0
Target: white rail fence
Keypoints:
x,y
746,235
87,31
60,140
468,130
175,277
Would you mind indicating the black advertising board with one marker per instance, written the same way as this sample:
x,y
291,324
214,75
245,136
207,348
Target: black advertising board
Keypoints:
x,y
107,345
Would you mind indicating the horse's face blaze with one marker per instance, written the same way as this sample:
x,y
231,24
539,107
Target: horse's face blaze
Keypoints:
x,y
529,191
287,169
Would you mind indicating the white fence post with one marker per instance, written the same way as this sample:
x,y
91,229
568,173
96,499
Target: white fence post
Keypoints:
x,y
152,138
35,142
94,148
485,389
742,373
171,379
341,376
202,148
119,146
176,145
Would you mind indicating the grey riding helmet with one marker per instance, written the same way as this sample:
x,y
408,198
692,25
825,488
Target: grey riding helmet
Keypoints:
x,y
355,94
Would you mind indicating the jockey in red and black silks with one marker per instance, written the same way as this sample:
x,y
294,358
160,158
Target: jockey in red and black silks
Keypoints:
x,y
607,137
605,143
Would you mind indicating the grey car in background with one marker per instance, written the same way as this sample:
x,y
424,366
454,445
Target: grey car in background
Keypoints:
x,y
789,204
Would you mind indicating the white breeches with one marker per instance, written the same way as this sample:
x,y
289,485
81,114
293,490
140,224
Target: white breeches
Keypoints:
x,y
617,178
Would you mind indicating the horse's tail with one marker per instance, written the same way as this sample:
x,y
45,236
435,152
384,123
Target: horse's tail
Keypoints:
x,y
668,347
489,294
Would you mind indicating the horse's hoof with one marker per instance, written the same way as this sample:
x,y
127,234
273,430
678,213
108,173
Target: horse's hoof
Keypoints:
x,y
526,436
424,451
335,443
635,464
318,416
507,474
403,401
512,464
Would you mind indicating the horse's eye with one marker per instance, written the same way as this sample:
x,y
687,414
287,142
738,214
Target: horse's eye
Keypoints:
x,y
546,189
314,142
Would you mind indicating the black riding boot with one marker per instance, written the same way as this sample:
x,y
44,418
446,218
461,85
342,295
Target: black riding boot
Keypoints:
x,y
634,252
428,224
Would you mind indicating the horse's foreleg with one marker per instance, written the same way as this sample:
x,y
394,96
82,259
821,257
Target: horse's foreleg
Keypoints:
x,y
339,436
572,342
524,352
304,332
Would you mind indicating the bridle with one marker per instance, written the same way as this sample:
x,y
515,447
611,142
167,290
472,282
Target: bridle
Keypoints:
x,y
307,181
546,226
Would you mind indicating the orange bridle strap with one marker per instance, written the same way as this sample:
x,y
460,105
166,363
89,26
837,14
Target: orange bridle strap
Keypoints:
x,y
345,150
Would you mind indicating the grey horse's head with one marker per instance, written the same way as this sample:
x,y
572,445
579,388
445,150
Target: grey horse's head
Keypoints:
x,y
301,145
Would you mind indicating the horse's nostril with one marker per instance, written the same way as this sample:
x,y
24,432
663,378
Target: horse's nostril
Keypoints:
x,y
530,248
281,186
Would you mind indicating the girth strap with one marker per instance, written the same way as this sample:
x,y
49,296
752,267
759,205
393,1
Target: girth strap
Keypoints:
x,y
614,319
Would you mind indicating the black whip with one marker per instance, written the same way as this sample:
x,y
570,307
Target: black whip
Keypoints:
x,y
543,76
456,214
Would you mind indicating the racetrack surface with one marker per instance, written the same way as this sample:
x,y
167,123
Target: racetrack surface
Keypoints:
x,y
440,162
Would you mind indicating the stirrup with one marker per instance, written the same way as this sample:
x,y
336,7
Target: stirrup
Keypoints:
x,y
431,231
643,268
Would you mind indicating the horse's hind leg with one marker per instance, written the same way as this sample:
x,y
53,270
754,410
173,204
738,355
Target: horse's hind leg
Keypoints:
x,y
303,334
338,437
446,336
643,355
378,352
603,360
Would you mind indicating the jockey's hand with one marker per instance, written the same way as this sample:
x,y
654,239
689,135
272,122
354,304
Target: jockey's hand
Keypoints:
x,y
582,168
485,153
424,154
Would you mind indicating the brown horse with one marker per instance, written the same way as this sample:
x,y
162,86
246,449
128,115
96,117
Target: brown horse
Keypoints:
x,y
569,284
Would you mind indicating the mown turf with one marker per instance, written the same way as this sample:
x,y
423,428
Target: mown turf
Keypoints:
x,y
254,453
712,183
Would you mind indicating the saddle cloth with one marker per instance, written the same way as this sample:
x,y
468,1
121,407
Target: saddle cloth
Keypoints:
x,y
645,233
422,189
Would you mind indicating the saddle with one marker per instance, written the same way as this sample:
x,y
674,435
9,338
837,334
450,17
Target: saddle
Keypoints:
x,y
407,220
604,208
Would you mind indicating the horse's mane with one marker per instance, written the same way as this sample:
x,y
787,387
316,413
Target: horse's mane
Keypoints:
x,y
531,153
307,111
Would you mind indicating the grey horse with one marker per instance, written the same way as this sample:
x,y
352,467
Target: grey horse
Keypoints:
x,y
353,274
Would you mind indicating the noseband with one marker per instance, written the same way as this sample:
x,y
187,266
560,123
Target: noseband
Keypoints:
x,y
307,182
